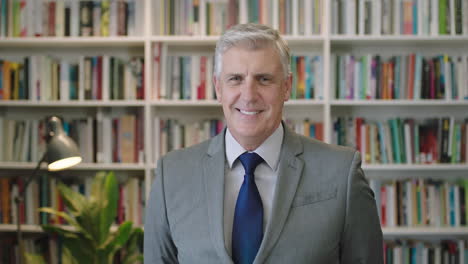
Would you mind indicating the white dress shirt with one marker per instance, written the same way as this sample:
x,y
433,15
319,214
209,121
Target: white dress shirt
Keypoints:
x,y
266,174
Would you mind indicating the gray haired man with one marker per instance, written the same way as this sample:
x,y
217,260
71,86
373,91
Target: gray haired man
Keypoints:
x,y
258,192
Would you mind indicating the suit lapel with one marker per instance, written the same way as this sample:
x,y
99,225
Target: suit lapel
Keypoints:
x,y
213,176
289,174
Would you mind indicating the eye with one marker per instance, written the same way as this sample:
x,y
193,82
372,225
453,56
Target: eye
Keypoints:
x,y
265,79
234,79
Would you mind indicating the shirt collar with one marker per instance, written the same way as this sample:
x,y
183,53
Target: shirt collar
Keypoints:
x,y
269,150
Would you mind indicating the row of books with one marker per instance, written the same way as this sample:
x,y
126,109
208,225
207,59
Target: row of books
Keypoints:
x,y
43,192
405,140
412,76
189,77
34,245
176,134
400,17
307,77
51,248
187,17
178,77
109,139
59,18
204,17
183,77
395,252
126,144
131,204
425,252
103,139
306,128
22,140
421,202
45,78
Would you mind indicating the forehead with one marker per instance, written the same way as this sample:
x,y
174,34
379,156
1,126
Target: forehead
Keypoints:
x,y
241,59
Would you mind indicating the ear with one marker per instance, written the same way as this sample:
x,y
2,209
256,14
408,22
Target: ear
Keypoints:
x,y
217,85
287,86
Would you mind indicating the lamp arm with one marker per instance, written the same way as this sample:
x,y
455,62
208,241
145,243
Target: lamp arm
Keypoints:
x,y
19,200
32,175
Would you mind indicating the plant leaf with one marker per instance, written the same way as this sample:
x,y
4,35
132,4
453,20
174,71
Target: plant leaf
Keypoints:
x,y
109,212
131,259
68,218
121,238
97,184
34,259
90,240
123,233
117,240
89,219
132,253
74,201
67,257
60,231
62,214
79,251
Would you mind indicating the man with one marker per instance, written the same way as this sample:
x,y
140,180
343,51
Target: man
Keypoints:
x,y
258,192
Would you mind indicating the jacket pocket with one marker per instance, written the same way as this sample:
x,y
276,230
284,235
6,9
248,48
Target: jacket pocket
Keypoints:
x,y
314,197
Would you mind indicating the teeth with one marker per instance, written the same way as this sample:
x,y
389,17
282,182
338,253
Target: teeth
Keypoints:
x,y
248,113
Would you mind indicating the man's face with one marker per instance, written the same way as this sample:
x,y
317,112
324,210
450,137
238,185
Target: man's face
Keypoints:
x,y
252,90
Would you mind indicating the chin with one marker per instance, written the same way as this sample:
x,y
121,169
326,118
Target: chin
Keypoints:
x,y
247,131
252,132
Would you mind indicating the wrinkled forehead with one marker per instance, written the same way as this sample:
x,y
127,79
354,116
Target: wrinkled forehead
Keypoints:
x,y
251,61
251,45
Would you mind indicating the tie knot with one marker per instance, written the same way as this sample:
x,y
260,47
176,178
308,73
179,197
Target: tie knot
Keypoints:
x,y
250,161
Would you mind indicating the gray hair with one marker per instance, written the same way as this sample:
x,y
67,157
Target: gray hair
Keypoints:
x,y
252,36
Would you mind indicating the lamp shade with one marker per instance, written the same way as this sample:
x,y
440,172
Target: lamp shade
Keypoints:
x,y
62,151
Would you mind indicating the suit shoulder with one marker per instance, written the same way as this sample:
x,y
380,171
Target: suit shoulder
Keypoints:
x,y
187,154
336,152
182,168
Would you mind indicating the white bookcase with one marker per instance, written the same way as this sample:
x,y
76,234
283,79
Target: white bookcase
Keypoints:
x,y
324,110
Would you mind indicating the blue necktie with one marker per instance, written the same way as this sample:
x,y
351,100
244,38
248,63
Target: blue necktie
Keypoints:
x,y
247,229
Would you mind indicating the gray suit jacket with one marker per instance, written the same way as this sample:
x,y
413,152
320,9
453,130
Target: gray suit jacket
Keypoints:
x,y
323,209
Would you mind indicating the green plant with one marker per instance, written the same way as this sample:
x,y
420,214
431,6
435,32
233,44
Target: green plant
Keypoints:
x,y
90,239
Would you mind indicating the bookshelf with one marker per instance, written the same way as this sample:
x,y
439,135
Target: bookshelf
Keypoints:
x,y
324,42
415,232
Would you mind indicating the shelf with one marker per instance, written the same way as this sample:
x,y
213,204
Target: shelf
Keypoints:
x,y
204,103
186,40
81,166
398,40
415,167
327,45
72,42
304,102
387,231
36,229
186,103
211,40
24,228
192,103
87,103
380,102
425,231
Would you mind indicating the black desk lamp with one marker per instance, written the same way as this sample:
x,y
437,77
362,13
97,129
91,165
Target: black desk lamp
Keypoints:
x,y
61,153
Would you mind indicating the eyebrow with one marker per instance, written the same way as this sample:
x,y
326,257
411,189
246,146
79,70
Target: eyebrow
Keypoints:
x,y
229,75
255,75
264,74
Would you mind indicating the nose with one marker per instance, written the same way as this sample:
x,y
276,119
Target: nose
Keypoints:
x,y
249,90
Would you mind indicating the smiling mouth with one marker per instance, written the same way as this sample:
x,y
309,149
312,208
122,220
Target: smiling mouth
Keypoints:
x,y
251,113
